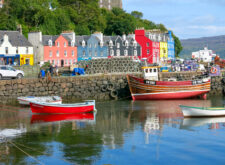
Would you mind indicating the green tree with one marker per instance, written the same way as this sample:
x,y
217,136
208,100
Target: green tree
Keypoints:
x,y
137,14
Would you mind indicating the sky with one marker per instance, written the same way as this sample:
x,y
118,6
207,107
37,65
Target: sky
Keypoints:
x,y
186,18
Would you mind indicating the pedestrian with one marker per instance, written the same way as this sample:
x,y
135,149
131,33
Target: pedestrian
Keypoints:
x,y
51,69
2,62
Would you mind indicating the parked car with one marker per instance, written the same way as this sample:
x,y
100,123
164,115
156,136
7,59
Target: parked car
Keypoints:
x,y
10,72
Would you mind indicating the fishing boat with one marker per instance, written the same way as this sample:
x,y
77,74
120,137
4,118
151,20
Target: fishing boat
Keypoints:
x,y
189,111
40,118
38,107
151,88
49,99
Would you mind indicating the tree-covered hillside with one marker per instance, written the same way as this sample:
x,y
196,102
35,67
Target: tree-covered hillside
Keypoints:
x,y
82,16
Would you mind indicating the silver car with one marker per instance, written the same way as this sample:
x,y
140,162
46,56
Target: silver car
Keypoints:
x,y
10,72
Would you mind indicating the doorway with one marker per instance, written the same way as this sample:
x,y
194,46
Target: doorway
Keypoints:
x,y
62,63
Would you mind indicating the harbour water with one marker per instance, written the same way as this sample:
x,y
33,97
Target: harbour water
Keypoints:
x,y
121,132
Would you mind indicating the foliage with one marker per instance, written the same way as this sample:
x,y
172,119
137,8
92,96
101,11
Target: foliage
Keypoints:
x,y
82,16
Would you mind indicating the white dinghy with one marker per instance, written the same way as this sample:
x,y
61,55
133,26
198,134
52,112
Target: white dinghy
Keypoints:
x,y
44,99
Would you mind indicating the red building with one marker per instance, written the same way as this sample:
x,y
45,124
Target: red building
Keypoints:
x,y
60,50
146,45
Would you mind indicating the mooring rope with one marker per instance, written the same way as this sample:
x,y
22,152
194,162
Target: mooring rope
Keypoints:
x,y
25,152
44,153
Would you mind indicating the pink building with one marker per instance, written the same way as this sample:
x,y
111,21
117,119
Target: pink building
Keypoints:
x,y
60,50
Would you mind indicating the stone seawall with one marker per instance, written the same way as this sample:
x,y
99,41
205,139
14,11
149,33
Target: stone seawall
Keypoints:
x,y
98,87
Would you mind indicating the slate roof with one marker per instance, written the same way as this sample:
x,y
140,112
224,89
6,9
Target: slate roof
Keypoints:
x,y
15,38
79,39
46,38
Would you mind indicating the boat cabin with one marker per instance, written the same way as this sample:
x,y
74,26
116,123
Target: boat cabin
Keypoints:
x,y
151,73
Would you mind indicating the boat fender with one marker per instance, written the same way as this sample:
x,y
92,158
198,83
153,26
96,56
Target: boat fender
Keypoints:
x,y
104,88
110,86
113,94
213,70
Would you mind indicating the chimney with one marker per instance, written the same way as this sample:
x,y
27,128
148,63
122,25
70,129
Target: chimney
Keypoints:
x,y
124,36
99,35
19,29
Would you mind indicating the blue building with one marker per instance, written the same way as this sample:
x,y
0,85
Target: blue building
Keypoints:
x,y
171,46
91,47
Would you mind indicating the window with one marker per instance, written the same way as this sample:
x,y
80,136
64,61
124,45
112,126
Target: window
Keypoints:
x,y
147,51
126,44
66,61
72,53
146,70
89,45
6,50
57,62
135,52
90,53
155,70
64,44
74,60
118,52
95,45
101,53
118,45
50,43
70,62
65,53
57,53
53,62
17,50
57,44
83,53
96,53
135,44
50,53
150,71
147,44
26,50
112,53
125,52
72,43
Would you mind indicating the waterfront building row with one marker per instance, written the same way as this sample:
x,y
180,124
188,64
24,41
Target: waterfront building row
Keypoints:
x,y
156,46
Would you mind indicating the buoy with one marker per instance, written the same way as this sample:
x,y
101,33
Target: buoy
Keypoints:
x,y
213,70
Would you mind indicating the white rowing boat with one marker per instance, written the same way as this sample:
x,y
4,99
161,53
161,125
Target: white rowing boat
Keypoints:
x,y
44,99
189,111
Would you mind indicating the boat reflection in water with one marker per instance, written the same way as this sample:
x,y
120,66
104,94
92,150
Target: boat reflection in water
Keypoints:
x,y
212,122
42,118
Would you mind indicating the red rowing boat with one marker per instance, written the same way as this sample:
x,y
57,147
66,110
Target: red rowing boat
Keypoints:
x,y
150,88
62,108
40,118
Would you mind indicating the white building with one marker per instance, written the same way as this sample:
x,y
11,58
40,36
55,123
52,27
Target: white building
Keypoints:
x,y
204,55
15,48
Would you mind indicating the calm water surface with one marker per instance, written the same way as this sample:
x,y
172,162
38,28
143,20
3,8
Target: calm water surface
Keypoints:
x,y
122,132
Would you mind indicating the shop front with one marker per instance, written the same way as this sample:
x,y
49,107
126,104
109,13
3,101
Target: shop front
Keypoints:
x,y
26,59
10,59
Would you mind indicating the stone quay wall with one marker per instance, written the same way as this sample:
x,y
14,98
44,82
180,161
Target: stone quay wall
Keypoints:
x,y
98,87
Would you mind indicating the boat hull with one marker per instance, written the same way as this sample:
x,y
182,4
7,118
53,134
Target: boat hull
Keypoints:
x,y
61,108
201,112
151,90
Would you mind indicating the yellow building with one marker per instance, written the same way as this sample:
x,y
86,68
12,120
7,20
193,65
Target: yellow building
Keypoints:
x,y
163,51
26,59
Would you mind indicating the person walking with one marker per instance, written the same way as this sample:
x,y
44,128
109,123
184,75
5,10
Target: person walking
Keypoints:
x,y
51,69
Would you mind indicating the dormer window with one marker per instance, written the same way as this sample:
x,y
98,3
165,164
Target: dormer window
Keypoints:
x,y
111,52
27,50
64,44
57,44
72,43
6,50
50,43
110,43
126,44
135,44
101,44
83,43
